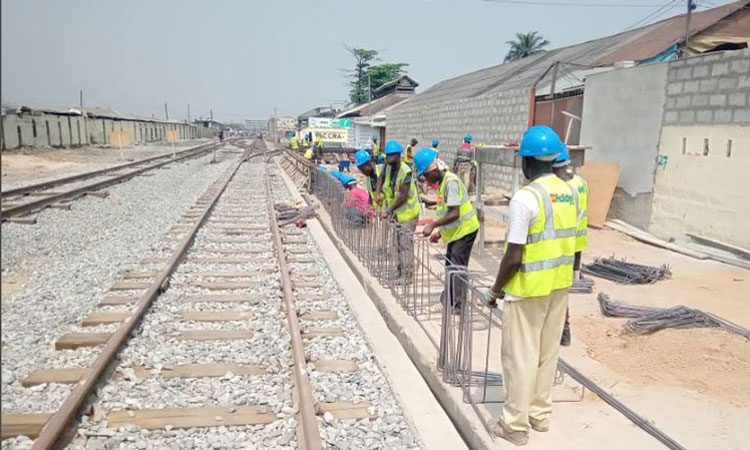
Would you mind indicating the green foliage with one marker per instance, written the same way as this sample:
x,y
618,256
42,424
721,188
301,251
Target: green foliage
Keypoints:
x,y
367,75
524,45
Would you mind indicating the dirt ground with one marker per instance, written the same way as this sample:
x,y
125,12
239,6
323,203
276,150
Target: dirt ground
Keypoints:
x,y
20,167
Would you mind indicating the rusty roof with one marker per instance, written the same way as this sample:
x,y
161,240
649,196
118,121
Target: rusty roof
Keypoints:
x,y
659,36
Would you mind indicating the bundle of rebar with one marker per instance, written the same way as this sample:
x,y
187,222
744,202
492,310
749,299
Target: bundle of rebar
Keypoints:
x,y
621,271
582,286
647,319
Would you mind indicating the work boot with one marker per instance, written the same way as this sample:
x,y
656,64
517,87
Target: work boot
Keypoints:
x,y
539,425
514,437
565,339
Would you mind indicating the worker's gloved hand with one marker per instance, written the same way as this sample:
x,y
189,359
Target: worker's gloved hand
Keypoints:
x,y
491,297
427,230
435,238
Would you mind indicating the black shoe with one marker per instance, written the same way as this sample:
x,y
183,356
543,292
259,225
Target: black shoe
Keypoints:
x,y
565,340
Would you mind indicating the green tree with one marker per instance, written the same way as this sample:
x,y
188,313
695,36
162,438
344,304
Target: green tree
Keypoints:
x,y
524,45
367,75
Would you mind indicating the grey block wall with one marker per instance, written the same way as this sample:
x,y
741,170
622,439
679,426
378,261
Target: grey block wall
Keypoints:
x,y
493,119
710,89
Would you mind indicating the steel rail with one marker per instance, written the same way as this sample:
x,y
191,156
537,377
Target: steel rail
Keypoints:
x,y
310,430
94,173
68,411
68,195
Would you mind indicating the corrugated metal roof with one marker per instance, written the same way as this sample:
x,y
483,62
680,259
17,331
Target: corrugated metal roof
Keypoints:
x,y
637,44
376,106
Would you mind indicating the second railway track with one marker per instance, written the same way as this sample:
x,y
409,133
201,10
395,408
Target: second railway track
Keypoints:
x,y
28,199
249,344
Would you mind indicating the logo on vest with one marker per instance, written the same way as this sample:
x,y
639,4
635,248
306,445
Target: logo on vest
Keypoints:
x,y
562,198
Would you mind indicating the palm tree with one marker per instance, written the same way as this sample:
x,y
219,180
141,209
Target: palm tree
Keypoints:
x,y
525,44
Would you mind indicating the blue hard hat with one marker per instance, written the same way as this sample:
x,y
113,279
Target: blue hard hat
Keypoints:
x,y
468,137
563,158
336,174
541,142
375,137
435,142
347,179
392,147
423,158
362,157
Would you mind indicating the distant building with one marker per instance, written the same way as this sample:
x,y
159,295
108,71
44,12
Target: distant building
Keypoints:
x,y
256,125
319,111
282,124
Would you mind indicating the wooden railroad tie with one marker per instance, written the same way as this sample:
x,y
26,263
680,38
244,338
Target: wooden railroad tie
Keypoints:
x,y
117,301
223,286
335,365
220,298
132,275
214,335
12,425
102,318
72,341
320,315
216,316
345,410
126,286
213,416
314,332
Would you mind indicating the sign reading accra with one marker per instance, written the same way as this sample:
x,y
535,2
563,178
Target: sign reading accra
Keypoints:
x,y
327,122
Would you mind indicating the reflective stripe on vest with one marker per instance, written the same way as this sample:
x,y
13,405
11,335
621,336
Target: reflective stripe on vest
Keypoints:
x,y
549,253
581,188
370,187
411,207
467,222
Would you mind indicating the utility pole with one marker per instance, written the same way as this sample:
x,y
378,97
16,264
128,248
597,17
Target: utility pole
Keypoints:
x,y
166,111
188,112
690,7
212,114
555,65
81,97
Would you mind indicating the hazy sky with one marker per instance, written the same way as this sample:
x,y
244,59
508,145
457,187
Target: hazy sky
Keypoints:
x,y
244,58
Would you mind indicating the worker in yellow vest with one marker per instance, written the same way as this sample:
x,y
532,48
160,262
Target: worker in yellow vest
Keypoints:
x,y
562,169
293,143
409,152
533,280
398,186
318,147
457,220
364,162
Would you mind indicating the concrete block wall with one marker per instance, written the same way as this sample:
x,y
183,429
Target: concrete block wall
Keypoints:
x,y
493,119
711,89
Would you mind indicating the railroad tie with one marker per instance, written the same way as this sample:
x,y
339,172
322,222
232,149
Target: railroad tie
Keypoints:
x,y
315,332
320,315
213,335
335,365
200,417
216,316
72,341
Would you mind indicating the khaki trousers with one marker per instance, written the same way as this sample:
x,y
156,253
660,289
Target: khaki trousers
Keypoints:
x,y
531,342
405,249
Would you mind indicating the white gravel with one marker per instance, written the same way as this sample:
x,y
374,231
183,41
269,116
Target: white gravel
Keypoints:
x,y
69,259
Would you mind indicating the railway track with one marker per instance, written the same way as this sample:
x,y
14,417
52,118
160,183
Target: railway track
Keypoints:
x,y
240,315
27,199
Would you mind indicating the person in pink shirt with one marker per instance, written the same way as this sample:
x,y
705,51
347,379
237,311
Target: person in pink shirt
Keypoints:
x,y
357,203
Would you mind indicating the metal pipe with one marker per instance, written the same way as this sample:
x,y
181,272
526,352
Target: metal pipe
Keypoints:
x,y
68,411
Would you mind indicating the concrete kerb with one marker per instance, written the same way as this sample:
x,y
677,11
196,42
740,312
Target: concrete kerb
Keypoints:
x,y
412,339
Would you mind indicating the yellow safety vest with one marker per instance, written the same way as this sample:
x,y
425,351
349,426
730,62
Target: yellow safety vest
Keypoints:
x,y
309,154
293,143
305,143
319,143
411,208
409,154
374,149
371,188
467,222
581,188
547,262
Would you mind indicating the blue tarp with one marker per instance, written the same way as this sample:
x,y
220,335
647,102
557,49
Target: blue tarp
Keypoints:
x,y
669,54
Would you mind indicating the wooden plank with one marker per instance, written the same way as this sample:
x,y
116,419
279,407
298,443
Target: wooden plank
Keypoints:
x,y
314,332
346,410
214,416
601,178
12,425
225,274
222,286
44,376
301,260
335,365
126,286
649,238
23,220
132,275
116,301
309,296
202,370
298,250
320,315
220,298
101,318
205,260
72,341
214,335
216,316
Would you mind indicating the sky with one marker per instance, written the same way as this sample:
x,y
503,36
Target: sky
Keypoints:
x,y
248,58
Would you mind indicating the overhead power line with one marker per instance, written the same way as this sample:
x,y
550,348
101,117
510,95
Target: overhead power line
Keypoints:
x,y
652,15
551,3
